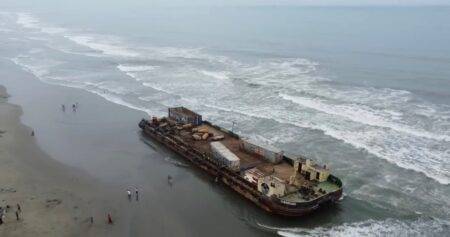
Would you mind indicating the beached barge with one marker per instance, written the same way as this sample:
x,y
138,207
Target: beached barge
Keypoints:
x,y
277,183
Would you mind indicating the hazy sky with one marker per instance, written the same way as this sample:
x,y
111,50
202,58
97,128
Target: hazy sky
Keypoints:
x,y
327,2
144,4
293,2
290,2
237,2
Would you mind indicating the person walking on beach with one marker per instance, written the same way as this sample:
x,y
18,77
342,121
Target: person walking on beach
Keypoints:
x,y
110,221
32,133
137,194
63,107
92,220
169,180
129,195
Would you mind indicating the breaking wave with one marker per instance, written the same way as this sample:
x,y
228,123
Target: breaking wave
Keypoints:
x,y
388,227
28,21
217,75
363,114
107,48
135,68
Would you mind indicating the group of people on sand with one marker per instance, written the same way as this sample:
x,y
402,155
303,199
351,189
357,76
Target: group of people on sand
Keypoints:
x,y
136,193
74,107
108,219
129,194
6,209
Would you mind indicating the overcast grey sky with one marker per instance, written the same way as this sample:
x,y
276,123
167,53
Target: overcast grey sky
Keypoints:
x,y
324,2
293,2
171,3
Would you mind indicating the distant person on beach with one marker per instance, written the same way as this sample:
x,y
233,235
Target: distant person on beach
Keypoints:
x,y
19,208
17,215
32,133
110,221
169,180
129,194
74,108
92,220
63,107
137,194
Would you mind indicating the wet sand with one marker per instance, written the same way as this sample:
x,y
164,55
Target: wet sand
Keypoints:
x,y
55,200
88,158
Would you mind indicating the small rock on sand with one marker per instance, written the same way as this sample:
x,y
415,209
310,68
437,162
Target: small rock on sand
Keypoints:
x,y
7,190
53,202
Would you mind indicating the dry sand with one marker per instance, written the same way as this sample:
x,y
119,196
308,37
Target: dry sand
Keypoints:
x,y
56,200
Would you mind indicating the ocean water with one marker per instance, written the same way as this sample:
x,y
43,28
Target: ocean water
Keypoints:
x,y
365,90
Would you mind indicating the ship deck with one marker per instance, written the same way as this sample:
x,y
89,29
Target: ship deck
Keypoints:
x,y
282,170
247,161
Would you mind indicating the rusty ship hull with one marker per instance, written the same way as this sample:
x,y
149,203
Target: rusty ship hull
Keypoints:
x,y
235,181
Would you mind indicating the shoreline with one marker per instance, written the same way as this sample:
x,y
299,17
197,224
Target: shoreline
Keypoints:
x,y
55,200
102,140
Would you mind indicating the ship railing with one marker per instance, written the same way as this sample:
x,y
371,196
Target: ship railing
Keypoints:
x,y
222,129
335,180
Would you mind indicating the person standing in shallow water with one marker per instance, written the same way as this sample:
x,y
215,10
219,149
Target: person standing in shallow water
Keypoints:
x,y
129,195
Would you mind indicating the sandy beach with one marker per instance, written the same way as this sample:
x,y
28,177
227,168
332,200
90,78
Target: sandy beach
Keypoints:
x,y
55,200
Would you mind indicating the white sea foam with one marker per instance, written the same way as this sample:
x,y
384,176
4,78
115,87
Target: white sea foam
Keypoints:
x,y
28,21
133,70
215,74
278,72
42,70
105,47
362,114
112,94
388,227
136,68
174,52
